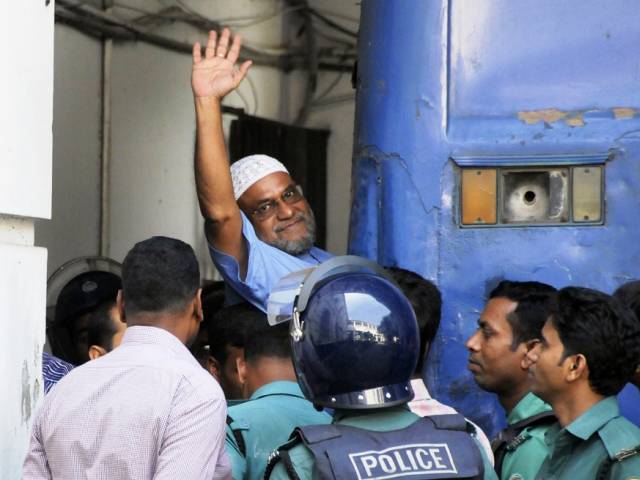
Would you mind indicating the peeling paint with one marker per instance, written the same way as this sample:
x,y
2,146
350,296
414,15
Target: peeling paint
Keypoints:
x,y
26,393
551,115
548,115
623,112
576,120
422,101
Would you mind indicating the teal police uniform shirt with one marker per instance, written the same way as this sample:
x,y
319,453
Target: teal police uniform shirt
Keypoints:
x,y
578,450
265,422
381,420
523,462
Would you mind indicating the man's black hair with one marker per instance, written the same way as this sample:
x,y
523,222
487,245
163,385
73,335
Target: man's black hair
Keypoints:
x,y
629,294
604,330
264,340
229,327
426,300
534,301
101,326
159,275
212,301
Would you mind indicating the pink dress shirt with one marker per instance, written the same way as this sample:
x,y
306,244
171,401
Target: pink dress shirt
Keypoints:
x,y
147,410
425,406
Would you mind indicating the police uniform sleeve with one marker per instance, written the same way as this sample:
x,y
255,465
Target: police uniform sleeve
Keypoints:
x,y
301,460
236,457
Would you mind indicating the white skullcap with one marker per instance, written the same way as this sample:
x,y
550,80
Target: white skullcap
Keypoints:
x,y
248,170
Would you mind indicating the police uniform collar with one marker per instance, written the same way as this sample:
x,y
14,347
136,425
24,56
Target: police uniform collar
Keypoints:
x,y
594,419
528,406
341,414
281,387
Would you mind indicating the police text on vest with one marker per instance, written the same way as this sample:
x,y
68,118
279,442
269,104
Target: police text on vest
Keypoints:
x,y
403,461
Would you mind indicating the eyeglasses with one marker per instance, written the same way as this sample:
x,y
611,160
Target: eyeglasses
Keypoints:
x,y
268,208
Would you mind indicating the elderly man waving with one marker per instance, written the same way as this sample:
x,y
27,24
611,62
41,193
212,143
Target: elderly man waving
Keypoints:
x,y
257,222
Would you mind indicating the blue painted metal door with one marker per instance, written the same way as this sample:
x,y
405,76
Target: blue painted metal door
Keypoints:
x,y
448,84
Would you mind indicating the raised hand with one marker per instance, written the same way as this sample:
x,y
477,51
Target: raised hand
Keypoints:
x,y
216,74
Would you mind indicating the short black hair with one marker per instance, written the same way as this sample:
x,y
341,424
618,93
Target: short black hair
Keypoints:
x,y
534,301
264,340
604,330
229,327
426,300
213,296
101,327
629,294
159,274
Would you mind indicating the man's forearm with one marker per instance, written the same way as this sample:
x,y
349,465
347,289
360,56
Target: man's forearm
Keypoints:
x,y
213,179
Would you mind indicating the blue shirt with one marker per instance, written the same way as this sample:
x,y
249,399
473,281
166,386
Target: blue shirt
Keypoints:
x,y
53,369
265,422
266,265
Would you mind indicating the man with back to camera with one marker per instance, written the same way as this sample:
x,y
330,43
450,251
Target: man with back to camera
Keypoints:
x,y
105,330
275,404
355,348
508,327
426,300
257,222
147,409
629,294
587,352
228,330
76,305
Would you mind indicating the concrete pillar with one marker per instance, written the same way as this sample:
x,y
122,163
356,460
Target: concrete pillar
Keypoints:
x,y
26,96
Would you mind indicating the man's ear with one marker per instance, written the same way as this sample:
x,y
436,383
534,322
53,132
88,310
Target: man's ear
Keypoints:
x,y
120,306
241,368
96,351
526,348
578,367
214,367
197,305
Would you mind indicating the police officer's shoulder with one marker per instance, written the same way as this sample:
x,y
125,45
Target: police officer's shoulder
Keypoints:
x,y
236,425
621,440
242,415
290,461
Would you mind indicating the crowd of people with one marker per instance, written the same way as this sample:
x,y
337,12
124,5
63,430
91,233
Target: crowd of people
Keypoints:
x,y
161,378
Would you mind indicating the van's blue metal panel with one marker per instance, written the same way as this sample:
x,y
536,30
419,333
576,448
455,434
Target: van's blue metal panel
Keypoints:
x,y
488,78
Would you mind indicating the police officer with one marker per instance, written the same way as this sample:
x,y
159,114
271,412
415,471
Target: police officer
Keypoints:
x,y
355,347
76,291
589,349
275,406
508,327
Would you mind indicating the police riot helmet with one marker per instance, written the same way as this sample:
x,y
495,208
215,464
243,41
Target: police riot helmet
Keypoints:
x,y
354,335
77,287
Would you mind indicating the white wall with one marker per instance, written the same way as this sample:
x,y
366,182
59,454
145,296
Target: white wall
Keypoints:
x,y
152,189
74,227
26,96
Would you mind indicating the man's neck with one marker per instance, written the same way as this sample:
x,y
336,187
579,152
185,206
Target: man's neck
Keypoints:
x,y
571,404
169,323
510,399
268,370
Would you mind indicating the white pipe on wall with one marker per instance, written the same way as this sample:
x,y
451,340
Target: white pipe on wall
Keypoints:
x,y
105,156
